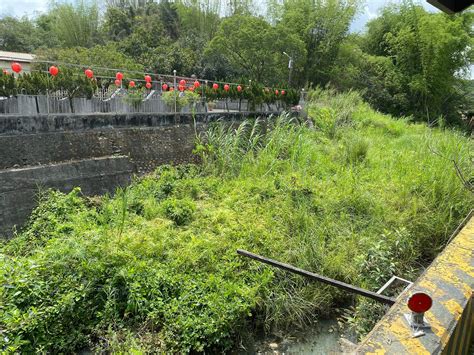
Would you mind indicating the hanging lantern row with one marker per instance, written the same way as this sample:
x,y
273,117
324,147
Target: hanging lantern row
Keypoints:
x,y
53,70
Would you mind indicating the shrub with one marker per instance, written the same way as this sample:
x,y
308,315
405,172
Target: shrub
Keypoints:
x,y
182,99
356,149
179,211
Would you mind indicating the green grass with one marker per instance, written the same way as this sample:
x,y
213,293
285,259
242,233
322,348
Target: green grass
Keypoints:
x,y
355,195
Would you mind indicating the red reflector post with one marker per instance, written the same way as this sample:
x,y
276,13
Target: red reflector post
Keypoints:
x,y
419,302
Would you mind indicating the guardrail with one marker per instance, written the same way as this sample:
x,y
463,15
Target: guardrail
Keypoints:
x,y
153,103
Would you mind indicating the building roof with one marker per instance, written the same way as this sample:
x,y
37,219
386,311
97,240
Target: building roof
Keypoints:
x,y
17,57
451,6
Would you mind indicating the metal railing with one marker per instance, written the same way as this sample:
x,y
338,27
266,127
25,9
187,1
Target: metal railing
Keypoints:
x,y
116,101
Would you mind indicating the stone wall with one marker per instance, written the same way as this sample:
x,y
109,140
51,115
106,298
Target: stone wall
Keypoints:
x,y
19,187
97,152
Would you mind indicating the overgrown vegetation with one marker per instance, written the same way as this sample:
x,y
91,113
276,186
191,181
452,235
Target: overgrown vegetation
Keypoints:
x,y
353,194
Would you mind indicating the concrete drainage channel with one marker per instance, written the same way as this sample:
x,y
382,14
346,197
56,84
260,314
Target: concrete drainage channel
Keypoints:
x,y
97,152
101,152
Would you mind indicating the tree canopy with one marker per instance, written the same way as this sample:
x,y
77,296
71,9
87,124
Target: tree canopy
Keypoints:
x,y
255,47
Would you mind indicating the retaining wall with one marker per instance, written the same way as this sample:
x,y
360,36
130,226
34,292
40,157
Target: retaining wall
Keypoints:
x,y
96,152
19,187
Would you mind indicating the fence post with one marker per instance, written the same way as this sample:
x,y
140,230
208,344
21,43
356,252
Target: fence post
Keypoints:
x,y
174,88
206,107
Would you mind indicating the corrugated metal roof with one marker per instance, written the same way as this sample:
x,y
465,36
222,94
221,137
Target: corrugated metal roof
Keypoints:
x,y
16,56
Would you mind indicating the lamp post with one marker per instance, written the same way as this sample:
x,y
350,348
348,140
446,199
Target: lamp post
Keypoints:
x,y
290,67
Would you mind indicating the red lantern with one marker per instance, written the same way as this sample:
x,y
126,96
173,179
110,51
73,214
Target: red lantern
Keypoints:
x,y
53,70
148,85
16,67
147,78
276,92
182,82
283,92
89,73
119,76
215,86
131,84
118,82
197,84
181,87
226,87
239,88
164,87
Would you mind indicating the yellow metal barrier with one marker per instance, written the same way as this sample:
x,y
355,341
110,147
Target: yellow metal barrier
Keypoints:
x,y
449,281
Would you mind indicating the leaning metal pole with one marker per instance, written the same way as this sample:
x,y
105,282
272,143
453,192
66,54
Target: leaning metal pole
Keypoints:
x,y
320,278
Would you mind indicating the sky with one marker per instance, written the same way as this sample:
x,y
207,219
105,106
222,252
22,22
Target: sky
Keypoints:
x,y
31,7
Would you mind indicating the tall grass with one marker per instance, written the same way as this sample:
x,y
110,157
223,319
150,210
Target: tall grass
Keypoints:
x,y
353,195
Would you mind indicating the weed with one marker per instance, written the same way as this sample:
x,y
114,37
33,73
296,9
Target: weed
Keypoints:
x,y
358,203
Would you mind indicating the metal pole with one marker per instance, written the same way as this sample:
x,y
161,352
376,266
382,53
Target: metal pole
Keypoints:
x,y
174,89
290,64
290,67
316,277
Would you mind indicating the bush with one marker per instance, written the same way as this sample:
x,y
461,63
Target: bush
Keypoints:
x,y
179,211
182,99
356,149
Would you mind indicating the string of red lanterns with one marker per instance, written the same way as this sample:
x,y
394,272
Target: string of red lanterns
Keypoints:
x,y
54,71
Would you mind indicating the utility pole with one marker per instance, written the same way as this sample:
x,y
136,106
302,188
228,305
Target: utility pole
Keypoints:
x,y
290,67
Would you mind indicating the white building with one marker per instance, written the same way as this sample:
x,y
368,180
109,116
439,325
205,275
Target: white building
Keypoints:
x,y
7,58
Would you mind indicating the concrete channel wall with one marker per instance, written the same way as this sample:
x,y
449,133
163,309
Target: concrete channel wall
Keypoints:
x,y
96,152
449,281
19,187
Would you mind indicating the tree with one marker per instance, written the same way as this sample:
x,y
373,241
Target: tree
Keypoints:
x,y
430,52
200,16
256,48
17,35
77,25
99,56
25,35
118,23
322,25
